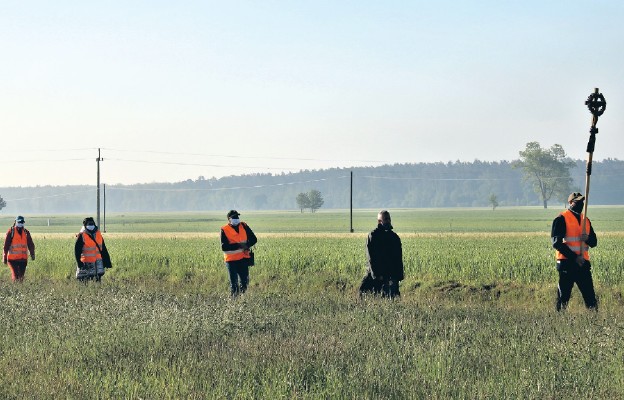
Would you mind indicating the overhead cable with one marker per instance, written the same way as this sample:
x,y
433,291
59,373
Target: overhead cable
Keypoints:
x,y
199,164
239,156
108,187
52,195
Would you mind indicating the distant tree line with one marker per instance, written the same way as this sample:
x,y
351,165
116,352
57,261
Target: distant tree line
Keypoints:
x,y
450,184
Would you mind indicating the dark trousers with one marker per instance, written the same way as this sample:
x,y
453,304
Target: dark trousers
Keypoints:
x,y
569,274
239,271
18,269
387,287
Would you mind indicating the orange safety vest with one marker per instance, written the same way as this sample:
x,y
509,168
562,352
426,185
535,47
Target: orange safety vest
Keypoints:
x,y
235,237
573,235
19,246
90,251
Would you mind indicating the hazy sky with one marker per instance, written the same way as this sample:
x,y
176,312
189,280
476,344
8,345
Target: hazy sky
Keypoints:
x,y
175,90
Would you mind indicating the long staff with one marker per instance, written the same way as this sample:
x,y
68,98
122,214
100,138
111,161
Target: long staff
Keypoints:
x,y
597,105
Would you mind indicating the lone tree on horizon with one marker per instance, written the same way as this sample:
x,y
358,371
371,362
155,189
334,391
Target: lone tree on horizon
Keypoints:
x,y
303,201
2,203
312,200
547,169
316,200
493,201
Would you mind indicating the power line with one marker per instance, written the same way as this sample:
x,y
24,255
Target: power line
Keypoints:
x,y
183,190
52,195
219,189
241,156
458,179
438,179
199,164
34,150
39,160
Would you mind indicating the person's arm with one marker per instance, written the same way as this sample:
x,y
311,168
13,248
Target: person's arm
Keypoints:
x,y
7,245
251,237
31,245
105,256
400,261
78,250
557,234
592,239
371,257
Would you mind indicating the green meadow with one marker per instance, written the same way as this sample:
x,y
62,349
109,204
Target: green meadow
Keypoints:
x,y
518,219
476,318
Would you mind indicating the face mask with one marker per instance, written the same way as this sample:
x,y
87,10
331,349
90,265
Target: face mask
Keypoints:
x,y
19,224
90,227
235,221
578,207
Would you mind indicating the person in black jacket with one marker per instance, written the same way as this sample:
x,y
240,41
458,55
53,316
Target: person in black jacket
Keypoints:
x,y
572,254
90,252
385,259
236,241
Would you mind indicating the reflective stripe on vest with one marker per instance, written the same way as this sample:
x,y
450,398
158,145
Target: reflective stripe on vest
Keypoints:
x,y
573,235
19,246
235,237
90,252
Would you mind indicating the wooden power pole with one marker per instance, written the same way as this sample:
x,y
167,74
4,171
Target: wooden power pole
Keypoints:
x,y
98,186
104,224
351,195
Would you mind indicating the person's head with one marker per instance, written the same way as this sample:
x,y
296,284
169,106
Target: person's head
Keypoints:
x,y
20,221
383,219
89,223
576,202
233,217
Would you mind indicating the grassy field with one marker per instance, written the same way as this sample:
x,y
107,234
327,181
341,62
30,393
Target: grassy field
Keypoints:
x,y
475,320
525,219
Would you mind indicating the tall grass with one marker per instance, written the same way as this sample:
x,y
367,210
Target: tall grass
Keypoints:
x,y
123,341
475,320
523,258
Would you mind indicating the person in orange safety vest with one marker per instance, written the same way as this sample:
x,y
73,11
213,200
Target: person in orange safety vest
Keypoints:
x,y
571,253
236,241
91,254
17,244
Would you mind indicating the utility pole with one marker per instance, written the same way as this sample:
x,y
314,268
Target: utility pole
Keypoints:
x,y
351,195
104,185
98,186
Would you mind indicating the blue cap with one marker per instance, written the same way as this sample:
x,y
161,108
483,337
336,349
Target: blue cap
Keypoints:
x,y
19,218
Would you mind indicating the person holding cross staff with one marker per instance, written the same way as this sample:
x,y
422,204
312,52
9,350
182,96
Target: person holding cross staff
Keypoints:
x,y
572,232
571,252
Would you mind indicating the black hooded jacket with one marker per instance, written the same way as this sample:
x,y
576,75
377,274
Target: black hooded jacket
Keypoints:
x,y
384,254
